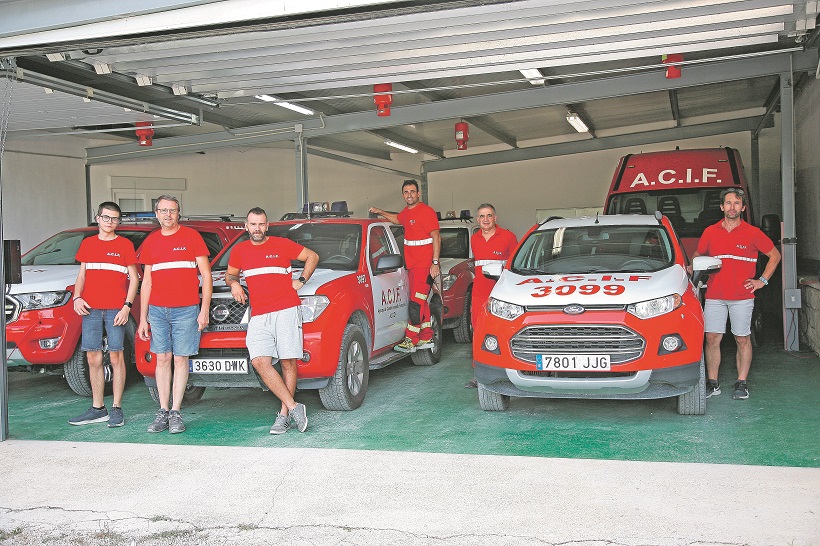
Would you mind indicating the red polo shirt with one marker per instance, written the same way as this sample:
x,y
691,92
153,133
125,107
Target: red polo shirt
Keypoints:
x,y
738,250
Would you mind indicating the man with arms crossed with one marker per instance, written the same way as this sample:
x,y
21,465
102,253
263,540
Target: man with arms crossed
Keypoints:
x,y
731,290
170,301
275,328
103,295
422,247
492,244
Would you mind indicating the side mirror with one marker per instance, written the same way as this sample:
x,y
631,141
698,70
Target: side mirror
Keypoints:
x,y
492,271
704,264
770,225
388,262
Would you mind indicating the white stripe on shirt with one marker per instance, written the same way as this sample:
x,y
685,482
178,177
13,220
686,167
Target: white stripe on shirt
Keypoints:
x,y
267,270
107,266
173,265
733,257
488,262
418,242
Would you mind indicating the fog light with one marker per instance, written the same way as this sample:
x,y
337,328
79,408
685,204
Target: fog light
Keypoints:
x,y
491,344
305,356
149,357
670,344
49,343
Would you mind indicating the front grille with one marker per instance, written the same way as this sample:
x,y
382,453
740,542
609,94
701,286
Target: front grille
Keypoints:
x,y
619,342
226,314
577,375
13,308
222,353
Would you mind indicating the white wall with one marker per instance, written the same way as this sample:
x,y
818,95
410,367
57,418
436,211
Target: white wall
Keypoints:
x,y
43,187
807,176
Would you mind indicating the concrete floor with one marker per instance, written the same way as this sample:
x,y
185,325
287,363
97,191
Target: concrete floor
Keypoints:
x,y
420,463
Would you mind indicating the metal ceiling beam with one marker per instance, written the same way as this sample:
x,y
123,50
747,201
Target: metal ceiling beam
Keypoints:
x,y
350,148
591,145
574,92
772,101
673,103
356,162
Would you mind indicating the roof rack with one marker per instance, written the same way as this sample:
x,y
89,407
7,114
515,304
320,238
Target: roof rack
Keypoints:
x,y
312,215
229,217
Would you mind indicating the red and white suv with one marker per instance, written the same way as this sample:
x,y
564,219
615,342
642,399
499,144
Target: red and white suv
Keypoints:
x,y
594,307
43,331
354,311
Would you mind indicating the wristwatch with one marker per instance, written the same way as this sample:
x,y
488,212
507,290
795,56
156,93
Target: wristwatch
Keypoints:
x,y
302,280
435,262
129,304
764,280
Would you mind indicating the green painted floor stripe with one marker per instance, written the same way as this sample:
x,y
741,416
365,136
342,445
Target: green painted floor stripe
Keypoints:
x,y
411,408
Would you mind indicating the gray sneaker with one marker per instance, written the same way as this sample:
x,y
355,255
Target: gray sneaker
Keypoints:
x,y
281,425
175,424
712,388
116,419
741,390
299,416
91,415
160,422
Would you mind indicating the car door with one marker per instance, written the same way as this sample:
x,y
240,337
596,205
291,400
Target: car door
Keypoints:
x,y
390,290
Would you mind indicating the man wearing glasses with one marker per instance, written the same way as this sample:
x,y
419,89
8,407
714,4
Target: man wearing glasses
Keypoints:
x,y
170,303
730,291
103,294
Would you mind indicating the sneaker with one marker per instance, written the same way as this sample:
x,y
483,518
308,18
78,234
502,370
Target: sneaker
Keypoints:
x,y
116,419
426,344
405,346
91,415
299,416
471,384
175,424
281,425
160,422
741,391
712,388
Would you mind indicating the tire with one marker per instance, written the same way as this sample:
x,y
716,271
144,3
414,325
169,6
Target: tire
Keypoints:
x,y
758,322
464,331
428,357
191,397
76,369
348,386
492,401
694,401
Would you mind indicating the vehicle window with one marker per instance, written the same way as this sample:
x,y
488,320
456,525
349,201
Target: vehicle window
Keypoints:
x,y
213,242
689,210
455,243
594,249
338,245
378,246
61,248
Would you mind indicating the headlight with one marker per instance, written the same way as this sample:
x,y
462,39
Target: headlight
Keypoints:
x,y
655,308
312,307
447,281
43,300
507,311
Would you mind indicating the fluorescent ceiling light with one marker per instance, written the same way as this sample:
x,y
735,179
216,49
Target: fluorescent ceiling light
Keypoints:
x,y
401,146
143,80
533,74
576,121
54,57
285,104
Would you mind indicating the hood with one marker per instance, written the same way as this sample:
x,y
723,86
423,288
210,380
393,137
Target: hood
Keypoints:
x,y
319,278
447,264
46,278
615,289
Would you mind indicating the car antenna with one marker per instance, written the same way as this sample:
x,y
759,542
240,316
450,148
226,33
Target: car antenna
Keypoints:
x,y
596,217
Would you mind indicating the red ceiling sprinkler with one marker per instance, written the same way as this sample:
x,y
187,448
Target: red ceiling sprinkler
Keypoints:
x,y
145,133
383,98
462,135
672,71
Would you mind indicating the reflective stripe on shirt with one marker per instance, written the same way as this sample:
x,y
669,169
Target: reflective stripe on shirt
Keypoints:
x,y
733,257
419,242
173,265
488,262
107,266
268,270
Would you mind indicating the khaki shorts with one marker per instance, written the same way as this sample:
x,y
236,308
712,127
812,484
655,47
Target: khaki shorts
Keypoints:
x,y
277,334
739,313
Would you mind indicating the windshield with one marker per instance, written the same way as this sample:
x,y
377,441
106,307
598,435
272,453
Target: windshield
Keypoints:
x,y
338,245
593,249
60,249
455,243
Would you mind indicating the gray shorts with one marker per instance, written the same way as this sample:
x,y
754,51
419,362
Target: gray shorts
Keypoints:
x,y
738,311
277,334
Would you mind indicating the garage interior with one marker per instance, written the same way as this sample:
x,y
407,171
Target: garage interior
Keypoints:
x,y
219,82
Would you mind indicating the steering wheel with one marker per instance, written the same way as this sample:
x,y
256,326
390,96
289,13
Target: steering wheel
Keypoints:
x,y
641,265
339,258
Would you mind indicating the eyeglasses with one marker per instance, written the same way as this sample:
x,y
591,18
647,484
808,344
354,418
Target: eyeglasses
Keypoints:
x,y
167,211
112,219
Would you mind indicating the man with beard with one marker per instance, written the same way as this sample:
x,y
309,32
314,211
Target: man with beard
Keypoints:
x,y
731,290
172,256
275,328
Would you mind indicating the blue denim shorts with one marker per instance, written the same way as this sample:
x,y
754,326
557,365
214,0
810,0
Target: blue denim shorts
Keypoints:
x,y
174,330
93,331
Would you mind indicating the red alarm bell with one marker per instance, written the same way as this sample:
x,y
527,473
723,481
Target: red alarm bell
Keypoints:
x,y
383,98
462,135
145,133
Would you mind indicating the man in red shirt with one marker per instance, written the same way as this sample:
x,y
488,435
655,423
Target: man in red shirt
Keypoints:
x,y
731,290
492,244
422,247
275,328
170,303
104,292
